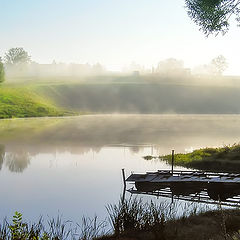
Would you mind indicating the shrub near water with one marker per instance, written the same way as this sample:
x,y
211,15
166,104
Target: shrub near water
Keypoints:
x,y
225,158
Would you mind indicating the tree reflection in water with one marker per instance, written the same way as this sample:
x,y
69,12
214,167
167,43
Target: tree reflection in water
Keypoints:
x,y
79,135
17,161
2,155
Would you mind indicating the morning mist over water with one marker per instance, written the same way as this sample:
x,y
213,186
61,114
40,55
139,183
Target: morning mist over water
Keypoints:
x,y
83,156
74,134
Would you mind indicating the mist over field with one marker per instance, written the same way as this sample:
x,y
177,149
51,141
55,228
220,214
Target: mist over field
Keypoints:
x,y
140,94
147,94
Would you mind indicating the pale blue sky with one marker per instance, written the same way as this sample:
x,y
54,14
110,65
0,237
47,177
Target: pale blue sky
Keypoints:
x,y
112,32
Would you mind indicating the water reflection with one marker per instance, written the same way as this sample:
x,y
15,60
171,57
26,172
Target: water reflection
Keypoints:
x,y
17,161
2,154
180,131
68,163
23,139
215,191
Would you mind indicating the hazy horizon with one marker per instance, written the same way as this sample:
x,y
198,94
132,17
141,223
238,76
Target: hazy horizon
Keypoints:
x,y
114,34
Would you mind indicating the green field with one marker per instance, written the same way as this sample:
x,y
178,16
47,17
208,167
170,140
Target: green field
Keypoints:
x,y
19,102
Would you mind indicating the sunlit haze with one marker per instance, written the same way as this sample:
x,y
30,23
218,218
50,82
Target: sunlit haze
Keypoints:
x,y
113,33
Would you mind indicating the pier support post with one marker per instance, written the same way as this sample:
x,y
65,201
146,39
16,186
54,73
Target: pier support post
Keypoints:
x,y
172,160
124,184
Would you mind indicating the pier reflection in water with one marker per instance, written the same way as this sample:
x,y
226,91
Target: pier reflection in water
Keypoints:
x,y
196,186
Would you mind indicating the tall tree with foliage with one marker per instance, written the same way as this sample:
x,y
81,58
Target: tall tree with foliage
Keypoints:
x,y
16,56
212,16
2,72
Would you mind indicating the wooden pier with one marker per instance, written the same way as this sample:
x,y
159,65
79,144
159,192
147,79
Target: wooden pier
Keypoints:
x,y
196,186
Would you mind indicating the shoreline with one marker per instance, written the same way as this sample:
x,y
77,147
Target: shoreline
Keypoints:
x,y
219,159
128,114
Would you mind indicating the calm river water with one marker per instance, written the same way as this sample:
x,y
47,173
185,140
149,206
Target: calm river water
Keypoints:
x,y
72,166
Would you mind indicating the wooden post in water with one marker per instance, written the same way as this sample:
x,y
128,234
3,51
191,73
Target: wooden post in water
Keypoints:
x,y
124,179
124,185
172,160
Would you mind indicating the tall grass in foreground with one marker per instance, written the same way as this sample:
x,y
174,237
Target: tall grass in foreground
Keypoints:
x,y
136,220
134,215
55,229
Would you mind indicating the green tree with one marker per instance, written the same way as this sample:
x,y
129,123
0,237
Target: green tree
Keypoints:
x,y
2,71
16,56
212,16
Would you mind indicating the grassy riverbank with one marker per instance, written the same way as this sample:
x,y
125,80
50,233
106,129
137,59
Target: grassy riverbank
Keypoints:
x,y
135,220
119,94
223,159
18,102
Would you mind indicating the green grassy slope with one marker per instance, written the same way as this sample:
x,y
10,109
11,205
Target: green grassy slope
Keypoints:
x,y
18,102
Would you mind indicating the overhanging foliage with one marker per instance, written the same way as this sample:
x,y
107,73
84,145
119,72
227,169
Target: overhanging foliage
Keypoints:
x,y
212,16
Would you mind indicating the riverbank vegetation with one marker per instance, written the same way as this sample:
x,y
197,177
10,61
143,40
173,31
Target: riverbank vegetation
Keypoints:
x,y
133,219
136,220
225,159
124,94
